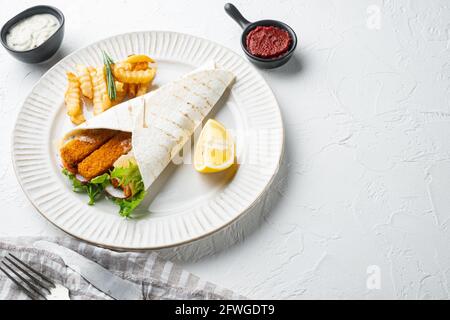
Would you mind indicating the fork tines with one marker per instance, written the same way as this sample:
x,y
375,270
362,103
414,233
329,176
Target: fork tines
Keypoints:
x,y
32,282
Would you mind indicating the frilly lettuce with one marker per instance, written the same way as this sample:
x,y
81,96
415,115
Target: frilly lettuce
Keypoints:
x,y
129,176
93,188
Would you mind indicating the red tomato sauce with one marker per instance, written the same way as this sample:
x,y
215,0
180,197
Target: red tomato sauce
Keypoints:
x,y
268,42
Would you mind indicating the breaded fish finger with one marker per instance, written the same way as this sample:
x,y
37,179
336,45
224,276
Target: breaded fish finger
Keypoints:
x,y
75,150
102,159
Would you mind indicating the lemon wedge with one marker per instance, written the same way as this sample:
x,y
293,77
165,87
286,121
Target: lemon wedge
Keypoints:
x,y
215,150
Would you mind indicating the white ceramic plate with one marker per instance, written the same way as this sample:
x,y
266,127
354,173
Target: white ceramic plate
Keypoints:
x,y
188,205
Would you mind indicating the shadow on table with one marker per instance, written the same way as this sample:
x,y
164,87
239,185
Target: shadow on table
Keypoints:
x,y
251,221
46,65
292,68
237,231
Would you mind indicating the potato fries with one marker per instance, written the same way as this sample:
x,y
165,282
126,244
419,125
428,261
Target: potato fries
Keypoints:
x,y
101,100
142,89
124,65
137,58
140,76
138,89
121,87
133,77
85,81
121,92
141,66
132,88
72,99
92,72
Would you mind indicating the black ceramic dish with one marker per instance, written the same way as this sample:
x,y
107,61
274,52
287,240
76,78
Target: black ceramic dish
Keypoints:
x,y
46,50
248,26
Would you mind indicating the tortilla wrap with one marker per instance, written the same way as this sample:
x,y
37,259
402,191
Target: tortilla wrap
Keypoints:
x,y
162,121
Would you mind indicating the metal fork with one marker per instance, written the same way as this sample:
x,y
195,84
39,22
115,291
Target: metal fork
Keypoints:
x,y
36,285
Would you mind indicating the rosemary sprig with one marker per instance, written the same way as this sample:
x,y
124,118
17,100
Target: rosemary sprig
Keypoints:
x,y
111,84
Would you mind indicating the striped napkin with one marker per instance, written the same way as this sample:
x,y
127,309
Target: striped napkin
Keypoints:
x,y
160,279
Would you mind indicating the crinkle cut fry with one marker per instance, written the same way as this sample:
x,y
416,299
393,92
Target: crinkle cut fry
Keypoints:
x,y
85,81
72,99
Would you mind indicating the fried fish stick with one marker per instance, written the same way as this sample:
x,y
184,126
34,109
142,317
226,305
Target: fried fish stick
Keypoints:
x,y
101,100
102,159
72,99
78,148
85,81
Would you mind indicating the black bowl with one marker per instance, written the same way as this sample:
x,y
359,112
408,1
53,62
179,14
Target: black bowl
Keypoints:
x,y
266,63
47,49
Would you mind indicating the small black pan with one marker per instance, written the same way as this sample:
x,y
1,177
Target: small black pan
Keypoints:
x,y
248,26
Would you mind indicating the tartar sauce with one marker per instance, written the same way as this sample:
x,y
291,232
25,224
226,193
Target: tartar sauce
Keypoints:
x,y
31,32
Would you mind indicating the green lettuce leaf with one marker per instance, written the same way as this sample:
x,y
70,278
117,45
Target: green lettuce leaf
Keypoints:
x,y
131,177
93,188
127,206
127,176
103,179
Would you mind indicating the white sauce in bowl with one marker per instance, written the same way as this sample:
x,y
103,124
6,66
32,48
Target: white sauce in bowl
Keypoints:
x,y
31,32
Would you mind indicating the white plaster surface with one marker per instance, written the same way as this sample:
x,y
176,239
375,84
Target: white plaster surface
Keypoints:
x,y
366,177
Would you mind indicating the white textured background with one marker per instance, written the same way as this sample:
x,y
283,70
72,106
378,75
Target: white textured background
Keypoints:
x,y
366,181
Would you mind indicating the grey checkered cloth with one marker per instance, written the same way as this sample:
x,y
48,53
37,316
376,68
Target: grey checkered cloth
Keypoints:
x,y
160,279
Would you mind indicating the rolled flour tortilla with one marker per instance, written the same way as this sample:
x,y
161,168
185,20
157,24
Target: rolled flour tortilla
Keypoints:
x,y
162,121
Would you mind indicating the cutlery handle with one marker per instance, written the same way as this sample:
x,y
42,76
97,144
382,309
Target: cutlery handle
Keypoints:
x,y
234,13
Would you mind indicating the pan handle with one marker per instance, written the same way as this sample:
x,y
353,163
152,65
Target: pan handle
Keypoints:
x,y
234,13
